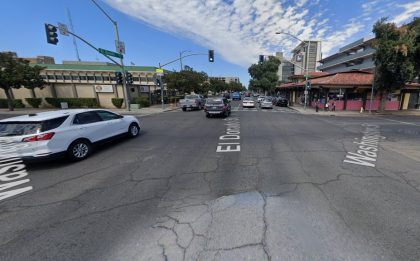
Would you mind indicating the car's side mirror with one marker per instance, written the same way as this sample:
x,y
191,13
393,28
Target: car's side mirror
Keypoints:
x,y
120,116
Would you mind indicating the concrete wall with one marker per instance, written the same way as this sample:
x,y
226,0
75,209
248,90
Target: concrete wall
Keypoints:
x,y
85,91
63,91
105,100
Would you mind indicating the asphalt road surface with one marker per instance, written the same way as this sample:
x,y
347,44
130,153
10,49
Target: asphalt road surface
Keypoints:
x,y
288,194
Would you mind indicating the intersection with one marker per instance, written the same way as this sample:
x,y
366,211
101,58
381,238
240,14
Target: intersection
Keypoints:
x,y
168,195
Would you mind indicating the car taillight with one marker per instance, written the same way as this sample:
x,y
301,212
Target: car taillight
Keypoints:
x,y
39,137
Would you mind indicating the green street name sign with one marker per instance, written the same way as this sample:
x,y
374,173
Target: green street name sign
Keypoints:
x,y
109,53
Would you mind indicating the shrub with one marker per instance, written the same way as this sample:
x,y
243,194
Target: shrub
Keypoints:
x,y
74,102
143,101
117,102
17,103
34,102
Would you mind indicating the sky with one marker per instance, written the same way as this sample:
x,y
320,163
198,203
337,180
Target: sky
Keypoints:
x,y
157,31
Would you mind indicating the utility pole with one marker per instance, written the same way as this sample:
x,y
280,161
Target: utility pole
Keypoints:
x,y
306,71
74,38
180,57
306,62
125,90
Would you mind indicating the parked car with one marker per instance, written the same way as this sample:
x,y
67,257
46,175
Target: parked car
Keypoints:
x,y
217,106
193,101
282,102
267,103
260,98
248,103
236,96
66,132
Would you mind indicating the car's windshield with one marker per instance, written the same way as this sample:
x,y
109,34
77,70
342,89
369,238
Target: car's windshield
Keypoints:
x,y
191,97
19,128
247,99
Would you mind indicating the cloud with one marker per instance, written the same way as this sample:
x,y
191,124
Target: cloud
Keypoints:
x,y
240,30
410,9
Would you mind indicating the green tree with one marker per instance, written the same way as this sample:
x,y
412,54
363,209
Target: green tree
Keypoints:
x,y
394,56
186,81
236,87
264,75
414,28
218,86
17,73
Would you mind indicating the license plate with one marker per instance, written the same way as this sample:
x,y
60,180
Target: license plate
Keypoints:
x,y
214,107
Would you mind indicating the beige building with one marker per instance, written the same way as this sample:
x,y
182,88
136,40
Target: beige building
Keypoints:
x,y
226,79
88,80
306,56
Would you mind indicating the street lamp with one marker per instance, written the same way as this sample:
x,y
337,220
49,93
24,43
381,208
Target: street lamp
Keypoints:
x,y
306,47
180,56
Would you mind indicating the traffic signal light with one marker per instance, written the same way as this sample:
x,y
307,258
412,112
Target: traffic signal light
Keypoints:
x,y
51,32
261,59
308,85
128,78
118,77
211,56
157,82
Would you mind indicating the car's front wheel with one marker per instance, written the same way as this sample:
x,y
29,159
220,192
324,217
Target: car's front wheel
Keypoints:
x,y
133,130
79,150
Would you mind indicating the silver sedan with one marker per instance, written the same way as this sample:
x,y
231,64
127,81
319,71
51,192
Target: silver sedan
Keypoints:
x,y
267,104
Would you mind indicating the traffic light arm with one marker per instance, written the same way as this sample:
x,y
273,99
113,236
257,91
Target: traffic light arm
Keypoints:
x,y
91,45
182,57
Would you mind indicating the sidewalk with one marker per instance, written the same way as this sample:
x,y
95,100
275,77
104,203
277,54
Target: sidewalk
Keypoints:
x,y
311,111
155,109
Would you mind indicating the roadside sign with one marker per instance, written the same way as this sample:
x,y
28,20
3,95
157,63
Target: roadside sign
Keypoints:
x,y
120,47
63,29
110,53
159,72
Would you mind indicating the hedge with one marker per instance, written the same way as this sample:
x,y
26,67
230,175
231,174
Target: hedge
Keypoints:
x,y
117,102
74,102
143,101
34,102
17,103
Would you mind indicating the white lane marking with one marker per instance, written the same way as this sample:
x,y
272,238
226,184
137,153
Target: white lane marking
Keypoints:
x,y
403,122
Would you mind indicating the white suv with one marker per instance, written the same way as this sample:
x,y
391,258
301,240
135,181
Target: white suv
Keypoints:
x,y
70,132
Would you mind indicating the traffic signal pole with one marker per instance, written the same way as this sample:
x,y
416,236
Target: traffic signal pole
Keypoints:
x,y
125,90
211,53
